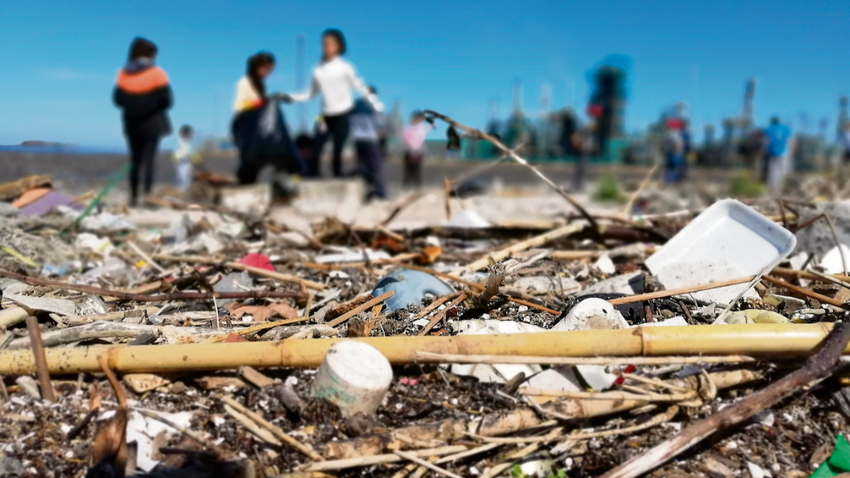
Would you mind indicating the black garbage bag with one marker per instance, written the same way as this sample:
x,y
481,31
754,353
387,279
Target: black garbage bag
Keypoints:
x,y
263,138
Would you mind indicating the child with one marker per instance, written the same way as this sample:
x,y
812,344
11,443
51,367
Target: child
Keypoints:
x,y
414,138
185,157
335,79
366,129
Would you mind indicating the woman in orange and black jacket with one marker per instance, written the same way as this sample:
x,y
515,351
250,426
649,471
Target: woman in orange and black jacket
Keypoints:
x,y
143,93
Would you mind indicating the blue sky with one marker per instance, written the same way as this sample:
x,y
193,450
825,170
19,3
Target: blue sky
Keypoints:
x,y
59,58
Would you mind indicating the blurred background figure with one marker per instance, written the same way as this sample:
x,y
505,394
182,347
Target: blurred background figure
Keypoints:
x,y
414,141
185,157
144,95
845,143
335,79
366,131
259,130
776,136
673,147
584,146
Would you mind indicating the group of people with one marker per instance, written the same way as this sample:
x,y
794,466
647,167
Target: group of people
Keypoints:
x,y
143,93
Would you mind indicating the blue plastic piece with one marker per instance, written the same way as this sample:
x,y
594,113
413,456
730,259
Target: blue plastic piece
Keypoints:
x,y
409,287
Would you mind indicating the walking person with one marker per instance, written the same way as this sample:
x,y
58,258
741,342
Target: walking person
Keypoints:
x,y
673,147
143,93
185,157
259,129
414,139
366,130
777,136
335,79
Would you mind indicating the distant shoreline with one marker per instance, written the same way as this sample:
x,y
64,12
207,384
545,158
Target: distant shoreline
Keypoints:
x,y
62,149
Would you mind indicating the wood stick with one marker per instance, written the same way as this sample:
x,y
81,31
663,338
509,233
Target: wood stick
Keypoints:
x,y
276,431
437,302
369,303
518,247
142,289
426,464
342,464
257,328
152,298
512,154
467,453
684,290
648,396
821,365
474,285
531,360
138,250
439,316
807,292
44,382
798,274
242,267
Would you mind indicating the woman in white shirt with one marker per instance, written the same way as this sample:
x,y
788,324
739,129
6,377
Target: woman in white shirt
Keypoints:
x,y
335,79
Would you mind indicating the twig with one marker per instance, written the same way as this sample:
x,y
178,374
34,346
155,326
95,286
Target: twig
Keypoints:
x,y
512,154
151,298
655,382
514,359
369,303
628,206
44,382
807,292
138,250
467,453
474,285
652,422
257,328
647,396
430,466
837,242
276,431
518,247
439,316
684,290
437,302
189,433
380,459
821,365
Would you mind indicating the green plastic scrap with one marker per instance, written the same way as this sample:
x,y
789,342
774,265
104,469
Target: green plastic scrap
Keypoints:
x,y
837,463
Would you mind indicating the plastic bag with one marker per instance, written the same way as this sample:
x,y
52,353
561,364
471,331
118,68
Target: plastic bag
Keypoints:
x,y
263,138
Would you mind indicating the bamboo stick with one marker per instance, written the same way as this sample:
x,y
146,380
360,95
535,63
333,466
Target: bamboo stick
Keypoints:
x,y
786,340
44,382
241,267
806,292
369,303
684,290
647,396
518,247
344,463
537,360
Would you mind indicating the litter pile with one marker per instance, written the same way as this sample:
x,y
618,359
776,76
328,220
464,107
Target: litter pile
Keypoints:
x,y
696,343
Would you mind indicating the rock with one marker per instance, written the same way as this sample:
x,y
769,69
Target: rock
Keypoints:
x,y
467,218
628,284
592,314
143,382
605,264
545,284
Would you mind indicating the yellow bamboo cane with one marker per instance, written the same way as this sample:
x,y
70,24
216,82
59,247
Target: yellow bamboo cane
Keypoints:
x,y
780,340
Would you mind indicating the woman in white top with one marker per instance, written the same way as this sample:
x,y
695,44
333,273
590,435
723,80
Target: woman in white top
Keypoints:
x,y
335,79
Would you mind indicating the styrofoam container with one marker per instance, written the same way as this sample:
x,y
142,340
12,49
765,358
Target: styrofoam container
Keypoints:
x,y
728,240
355,376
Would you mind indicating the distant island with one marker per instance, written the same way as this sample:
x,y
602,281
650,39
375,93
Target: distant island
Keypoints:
x,y
44,144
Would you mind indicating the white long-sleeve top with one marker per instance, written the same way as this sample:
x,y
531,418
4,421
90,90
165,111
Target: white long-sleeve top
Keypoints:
x,y
335,79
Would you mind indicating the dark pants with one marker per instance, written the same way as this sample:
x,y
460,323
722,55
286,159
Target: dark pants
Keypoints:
x,y
370,165
142,155
675,168
412,169
338,132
